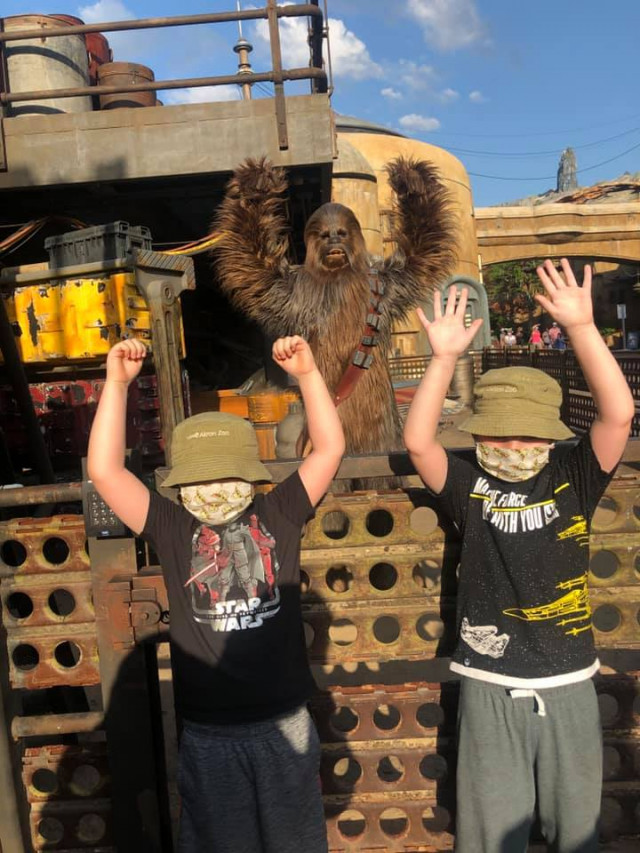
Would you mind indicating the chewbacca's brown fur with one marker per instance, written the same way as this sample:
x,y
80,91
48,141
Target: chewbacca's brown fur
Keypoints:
x,y
326,303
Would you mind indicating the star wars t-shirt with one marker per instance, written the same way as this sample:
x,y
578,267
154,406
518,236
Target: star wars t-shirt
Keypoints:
x,y
524,617
237,640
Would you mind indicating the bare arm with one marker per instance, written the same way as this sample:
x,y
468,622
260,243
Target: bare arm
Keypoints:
x,y
424,233
571,306
448,339
251,256
120,489
318,469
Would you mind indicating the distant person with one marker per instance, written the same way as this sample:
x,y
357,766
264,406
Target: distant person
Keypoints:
x,y
546,340
519,336
529,733
560,342
509,338
535,339
554,331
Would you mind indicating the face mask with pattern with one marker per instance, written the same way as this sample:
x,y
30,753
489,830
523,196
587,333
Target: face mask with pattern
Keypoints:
x,y
217,503
512,465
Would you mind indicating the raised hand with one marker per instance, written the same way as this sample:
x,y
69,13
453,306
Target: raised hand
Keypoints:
x,y
294,355
446,332
567,302
124,361
254,179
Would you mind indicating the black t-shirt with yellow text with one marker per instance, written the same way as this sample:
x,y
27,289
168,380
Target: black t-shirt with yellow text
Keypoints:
x,y
523,611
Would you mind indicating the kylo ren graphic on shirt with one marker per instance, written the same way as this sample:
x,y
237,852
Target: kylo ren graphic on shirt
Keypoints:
x,y
233,577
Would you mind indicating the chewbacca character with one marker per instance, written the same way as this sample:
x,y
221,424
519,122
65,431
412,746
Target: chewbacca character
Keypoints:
x,y
341,300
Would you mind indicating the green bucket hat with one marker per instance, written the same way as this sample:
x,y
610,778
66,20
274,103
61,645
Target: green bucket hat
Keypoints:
x,y
517,401
213,446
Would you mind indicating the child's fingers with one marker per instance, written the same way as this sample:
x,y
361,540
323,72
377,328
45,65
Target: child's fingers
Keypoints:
x,y
547,304
473,328
554,275
462,302
137,349
422,317
547,283
437,306
586,282
131,349
568,273
451,300
285,348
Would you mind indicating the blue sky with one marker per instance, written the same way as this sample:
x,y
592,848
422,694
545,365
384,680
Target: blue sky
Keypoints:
x,y
504,85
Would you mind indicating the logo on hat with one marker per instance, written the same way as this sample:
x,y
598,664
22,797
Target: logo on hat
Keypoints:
x,y
214,446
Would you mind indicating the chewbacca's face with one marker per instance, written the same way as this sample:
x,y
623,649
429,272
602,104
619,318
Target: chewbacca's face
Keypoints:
x,y
333,239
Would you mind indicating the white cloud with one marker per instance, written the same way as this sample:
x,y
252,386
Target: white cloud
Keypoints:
x,y
349,55
448,95
416,122
125,45
416,76
201,95
477,97
391,93
105,10
448,24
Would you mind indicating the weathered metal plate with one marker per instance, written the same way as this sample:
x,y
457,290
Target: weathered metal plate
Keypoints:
x,y
58,599
31,546
46,657
68,788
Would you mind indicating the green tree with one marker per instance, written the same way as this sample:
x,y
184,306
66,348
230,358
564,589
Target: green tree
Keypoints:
x,y
510,288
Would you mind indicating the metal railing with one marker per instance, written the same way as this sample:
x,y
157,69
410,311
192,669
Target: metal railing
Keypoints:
x,y
278,75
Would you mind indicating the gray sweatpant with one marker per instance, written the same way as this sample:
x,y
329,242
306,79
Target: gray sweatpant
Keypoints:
x,y
511,756
251,788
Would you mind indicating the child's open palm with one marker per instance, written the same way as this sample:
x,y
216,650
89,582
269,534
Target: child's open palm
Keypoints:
x,y
447,333
569,304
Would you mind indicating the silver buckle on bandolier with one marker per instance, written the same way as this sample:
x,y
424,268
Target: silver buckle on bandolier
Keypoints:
x,y
361,357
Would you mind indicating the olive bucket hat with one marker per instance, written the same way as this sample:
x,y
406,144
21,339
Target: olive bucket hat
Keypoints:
x,y
517,401
214,446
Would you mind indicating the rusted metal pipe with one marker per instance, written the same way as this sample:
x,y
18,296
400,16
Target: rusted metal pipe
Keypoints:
x,y
298,10
191,83
56,724
30,495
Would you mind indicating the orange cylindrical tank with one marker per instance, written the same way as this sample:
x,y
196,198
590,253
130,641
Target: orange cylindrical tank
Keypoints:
x,y
99,53
121,74
266,435
265,407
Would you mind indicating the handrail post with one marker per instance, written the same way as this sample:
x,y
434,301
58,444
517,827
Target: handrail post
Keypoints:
x,y
278,86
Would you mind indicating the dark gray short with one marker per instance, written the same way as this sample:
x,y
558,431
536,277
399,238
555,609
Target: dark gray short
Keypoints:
x,y
252,788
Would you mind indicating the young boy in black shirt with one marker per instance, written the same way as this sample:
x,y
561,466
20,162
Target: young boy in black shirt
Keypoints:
x,y
529,727
249,753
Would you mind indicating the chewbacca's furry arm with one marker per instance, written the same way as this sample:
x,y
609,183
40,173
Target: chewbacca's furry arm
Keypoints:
x,y
251,257
424,234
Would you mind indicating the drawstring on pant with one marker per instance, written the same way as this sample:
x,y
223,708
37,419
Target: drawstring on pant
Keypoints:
x,y
524,693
